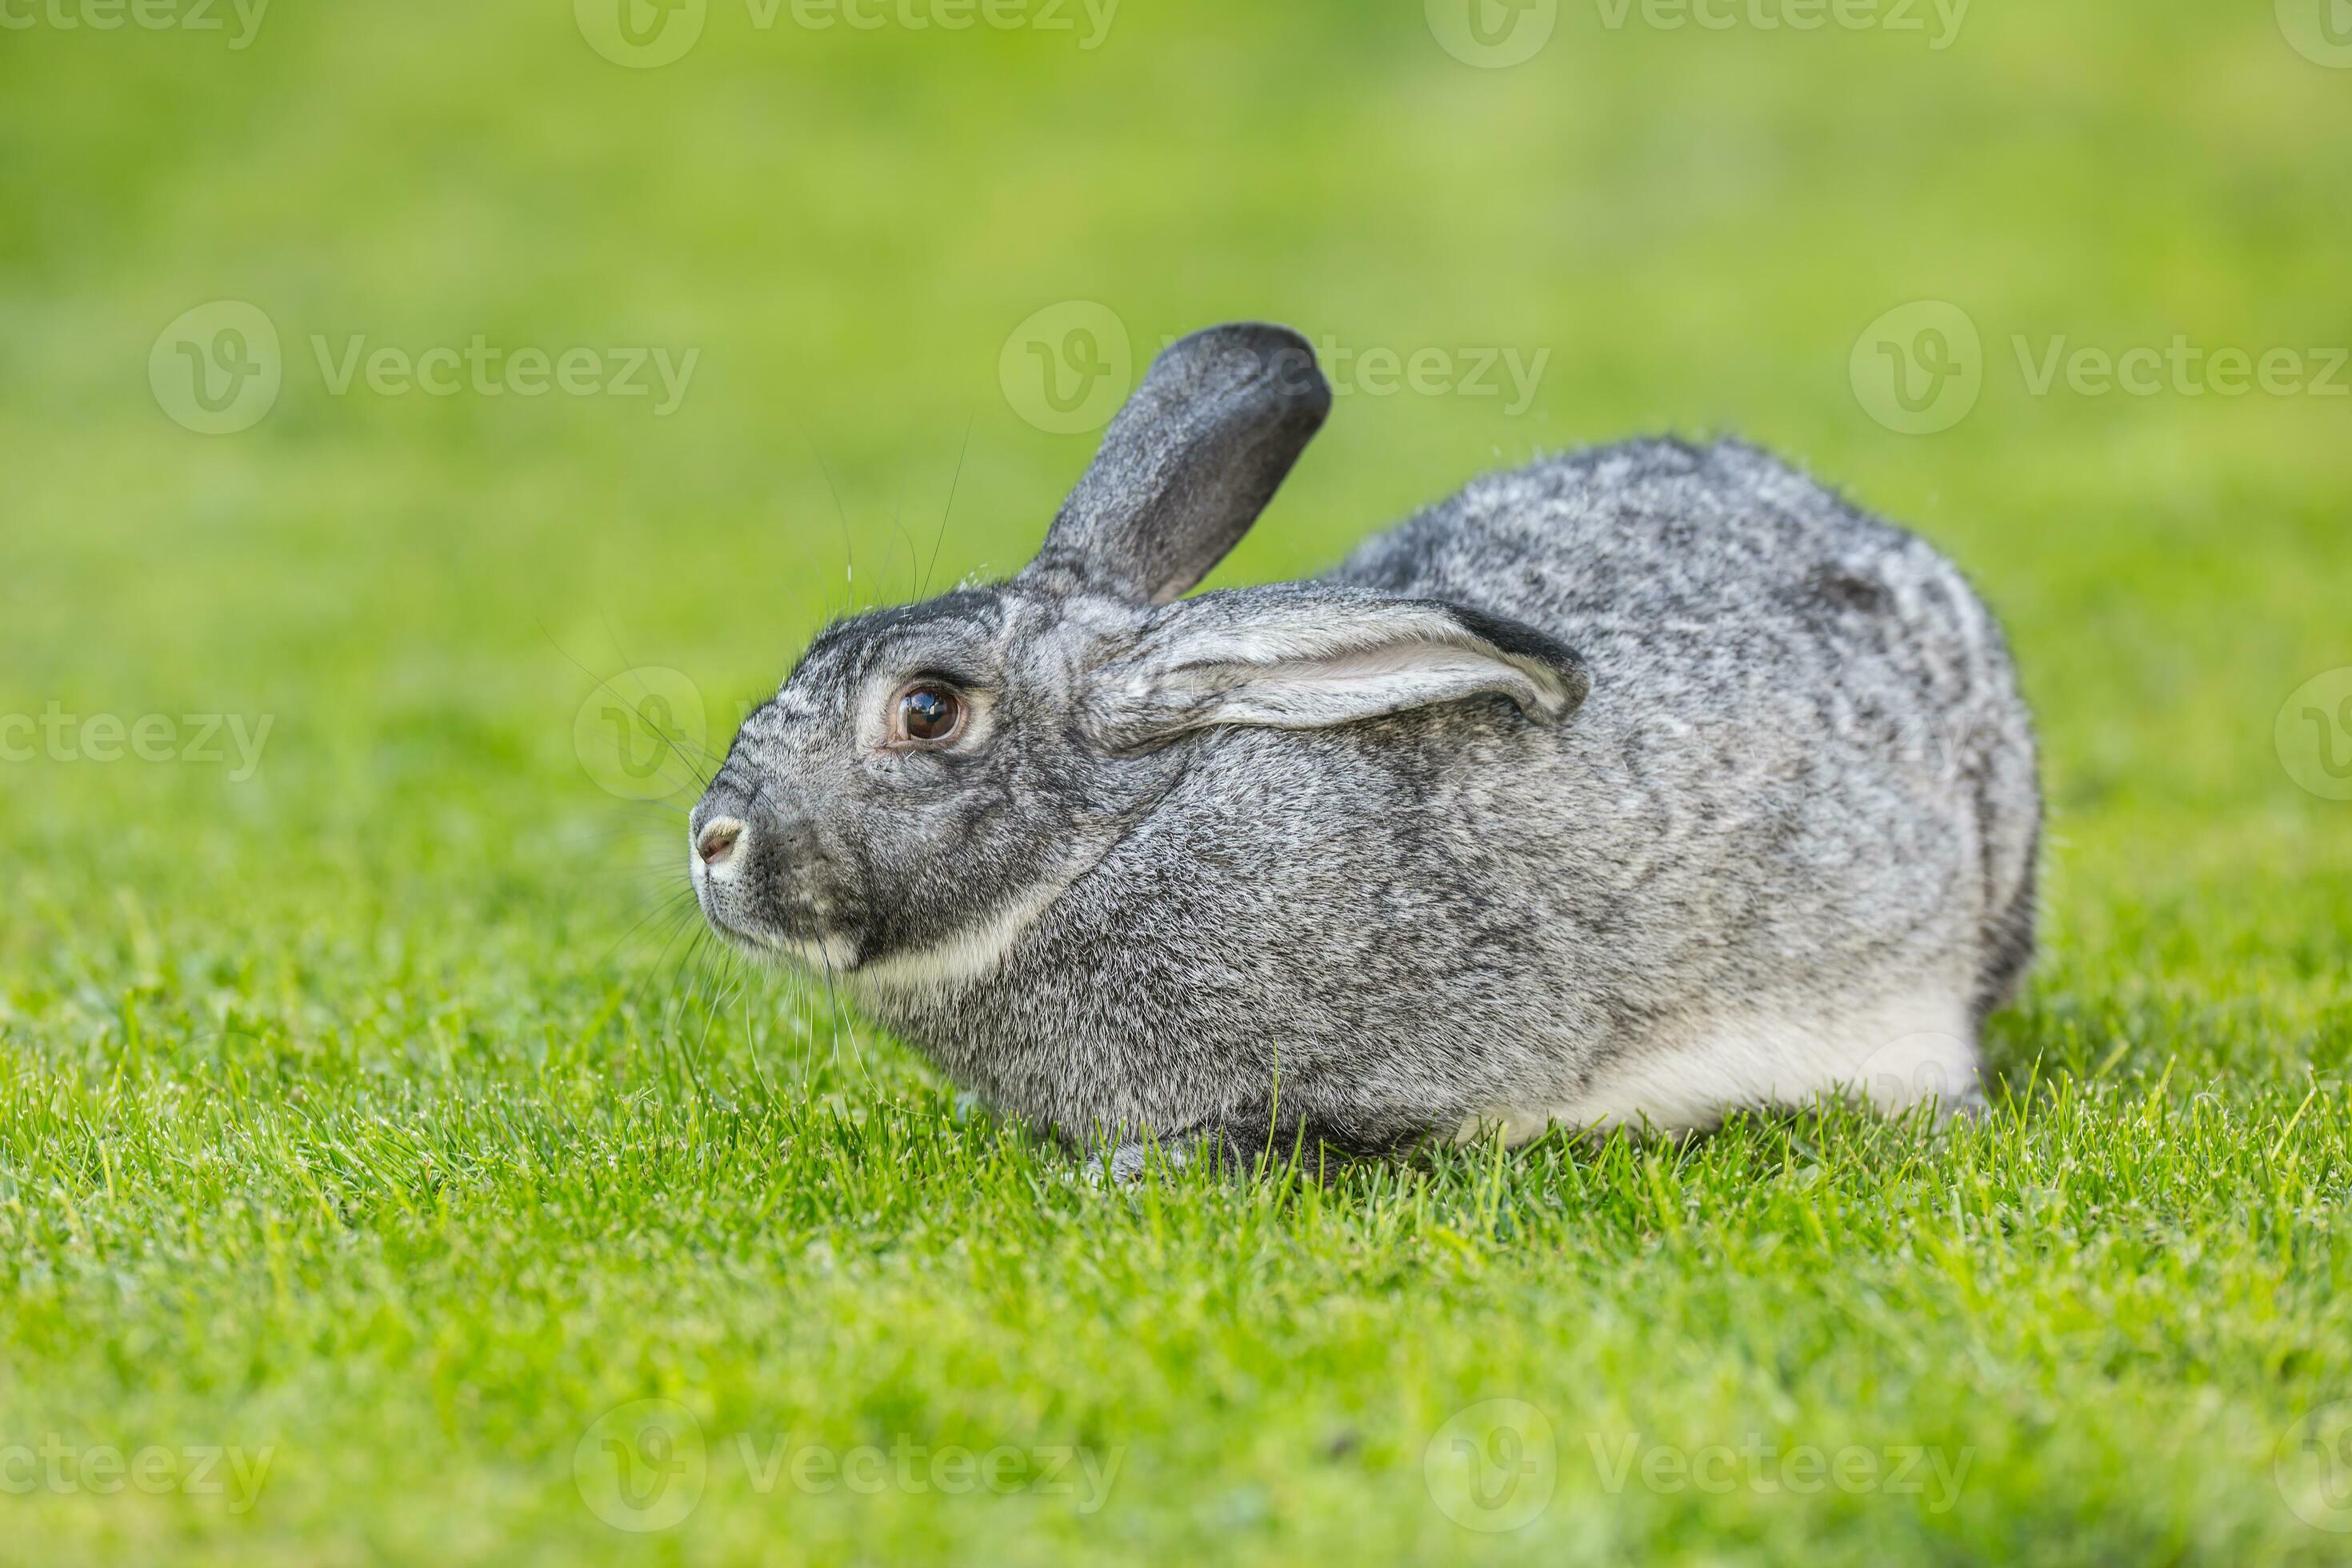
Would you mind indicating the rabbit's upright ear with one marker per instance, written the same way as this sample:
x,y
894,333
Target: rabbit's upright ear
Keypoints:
x,y
1305,657
1187,465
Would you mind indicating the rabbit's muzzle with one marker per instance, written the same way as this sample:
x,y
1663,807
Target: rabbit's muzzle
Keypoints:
x,y
759,875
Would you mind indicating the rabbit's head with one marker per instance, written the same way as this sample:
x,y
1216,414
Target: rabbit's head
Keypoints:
x,y
932,776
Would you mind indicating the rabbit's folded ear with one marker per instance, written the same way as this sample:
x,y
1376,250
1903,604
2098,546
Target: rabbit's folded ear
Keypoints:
x,y
1302,657
1187,465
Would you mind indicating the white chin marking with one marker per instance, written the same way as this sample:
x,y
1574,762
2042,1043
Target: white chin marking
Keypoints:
x,y
831,955
967,954
1905,1051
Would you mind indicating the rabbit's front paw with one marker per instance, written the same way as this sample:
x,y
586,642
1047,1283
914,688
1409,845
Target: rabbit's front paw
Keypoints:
x,y
1127,1162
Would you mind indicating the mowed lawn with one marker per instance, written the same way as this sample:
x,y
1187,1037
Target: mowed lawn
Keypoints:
x,y
387,1173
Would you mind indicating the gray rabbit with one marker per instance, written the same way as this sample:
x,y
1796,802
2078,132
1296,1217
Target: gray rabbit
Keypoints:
x,y
1634,786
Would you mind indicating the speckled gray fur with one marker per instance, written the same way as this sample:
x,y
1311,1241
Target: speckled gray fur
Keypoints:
x,y
1450,867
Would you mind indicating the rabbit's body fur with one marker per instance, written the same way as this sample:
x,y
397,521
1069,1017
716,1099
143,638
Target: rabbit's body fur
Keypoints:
x,y
1785,846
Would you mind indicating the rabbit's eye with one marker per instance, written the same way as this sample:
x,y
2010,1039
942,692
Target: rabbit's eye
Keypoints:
x,y
928,712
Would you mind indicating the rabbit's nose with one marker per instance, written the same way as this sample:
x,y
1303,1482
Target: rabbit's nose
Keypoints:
x,y
719,843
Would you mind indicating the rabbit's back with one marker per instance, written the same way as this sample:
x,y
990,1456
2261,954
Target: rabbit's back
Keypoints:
x,y
1659,543
1804,763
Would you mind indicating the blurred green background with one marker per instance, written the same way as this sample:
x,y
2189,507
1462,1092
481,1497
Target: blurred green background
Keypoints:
x,y
296,1061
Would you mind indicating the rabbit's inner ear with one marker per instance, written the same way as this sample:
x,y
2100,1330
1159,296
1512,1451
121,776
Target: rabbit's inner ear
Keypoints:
x,y
1187,465
1310,661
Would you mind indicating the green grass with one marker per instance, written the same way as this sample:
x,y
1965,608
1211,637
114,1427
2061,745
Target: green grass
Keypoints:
x,y
347,1116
